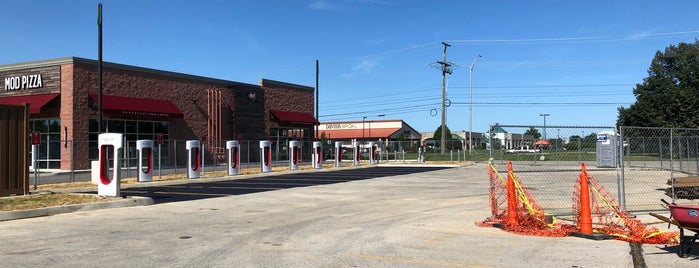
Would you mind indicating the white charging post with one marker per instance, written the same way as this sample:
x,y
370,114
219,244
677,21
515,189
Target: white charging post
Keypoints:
x,y
145,160
338,154
372,153
317,156
294,149
193,159
233,157
110,145
265,156
357,153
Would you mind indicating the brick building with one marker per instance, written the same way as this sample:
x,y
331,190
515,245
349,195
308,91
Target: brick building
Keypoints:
x,y
143,103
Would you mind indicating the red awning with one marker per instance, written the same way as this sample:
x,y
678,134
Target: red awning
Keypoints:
x,y
128,106
35,101
542,142
293,118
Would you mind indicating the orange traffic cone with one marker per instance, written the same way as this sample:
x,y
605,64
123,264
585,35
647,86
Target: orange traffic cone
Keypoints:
x,y
585,221
511,197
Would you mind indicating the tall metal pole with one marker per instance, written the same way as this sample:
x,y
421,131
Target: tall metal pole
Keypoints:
x,y
363,138
544,115
470,107
99,66
317,114
445,70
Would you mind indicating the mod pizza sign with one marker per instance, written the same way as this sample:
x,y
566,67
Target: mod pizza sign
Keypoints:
x,y
19,82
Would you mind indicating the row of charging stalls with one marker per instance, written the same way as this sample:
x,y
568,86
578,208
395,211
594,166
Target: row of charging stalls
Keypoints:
x,y
110,146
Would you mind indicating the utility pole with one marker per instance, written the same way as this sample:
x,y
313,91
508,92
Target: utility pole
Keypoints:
x,y
446,69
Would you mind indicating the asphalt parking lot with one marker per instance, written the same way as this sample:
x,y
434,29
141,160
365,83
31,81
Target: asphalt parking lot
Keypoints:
x,y
423,219
197,189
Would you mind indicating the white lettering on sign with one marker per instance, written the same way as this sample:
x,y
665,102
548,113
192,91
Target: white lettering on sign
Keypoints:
x,y
339,126
23,82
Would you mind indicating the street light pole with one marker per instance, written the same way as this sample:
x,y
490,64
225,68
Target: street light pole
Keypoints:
x,y
470,107
544,115
363,120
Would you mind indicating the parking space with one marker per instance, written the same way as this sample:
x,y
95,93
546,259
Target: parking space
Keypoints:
x,y
193,189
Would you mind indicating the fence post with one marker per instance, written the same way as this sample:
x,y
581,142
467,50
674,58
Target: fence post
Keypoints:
x,y
174,144
660,154
672,165
621,181
72,161
128,159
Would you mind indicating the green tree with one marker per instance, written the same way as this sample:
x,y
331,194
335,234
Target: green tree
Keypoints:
x,y
438,137
532,132
669,96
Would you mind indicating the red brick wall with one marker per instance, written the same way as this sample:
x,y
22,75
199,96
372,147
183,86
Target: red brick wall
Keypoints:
x,y
287,99
189,95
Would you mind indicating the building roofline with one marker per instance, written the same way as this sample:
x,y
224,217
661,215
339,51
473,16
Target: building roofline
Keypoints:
x,y
264,82
359,121
74,60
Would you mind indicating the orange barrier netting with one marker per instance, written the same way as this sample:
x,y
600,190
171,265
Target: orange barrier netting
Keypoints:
x,y
530,217
532,220
608,217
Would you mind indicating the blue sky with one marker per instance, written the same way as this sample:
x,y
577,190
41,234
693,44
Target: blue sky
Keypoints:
x,y
575,60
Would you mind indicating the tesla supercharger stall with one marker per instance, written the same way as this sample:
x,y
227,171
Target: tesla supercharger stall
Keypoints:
x,y
294,151
265,156
233,157
338,154
145,160
372,153
193,159
357,153
110,145
317,155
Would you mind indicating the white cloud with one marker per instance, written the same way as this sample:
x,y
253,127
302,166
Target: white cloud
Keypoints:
x,y
365,66
322,5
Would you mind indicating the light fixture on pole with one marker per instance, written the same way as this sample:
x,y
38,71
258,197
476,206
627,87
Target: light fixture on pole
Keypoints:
x,y
470,106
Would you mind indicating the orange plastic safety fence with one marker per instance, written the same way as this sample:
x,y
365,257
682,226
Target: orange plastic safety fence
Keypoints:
x,y
609,218
531,218
498,198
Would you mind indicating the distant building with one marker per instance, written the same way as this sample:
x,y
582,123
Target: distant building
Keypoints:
x,y
510,140
461,136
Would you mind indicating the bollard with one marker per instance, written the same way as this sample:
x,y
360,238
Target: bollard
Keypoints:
x,y
357,153
233,157
294,150
317,156
265,156
193,159
338,154
145,160
110,145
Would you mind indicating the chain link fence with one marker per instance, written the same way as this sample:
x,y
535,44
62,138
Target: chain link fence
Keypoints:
x,y
635,164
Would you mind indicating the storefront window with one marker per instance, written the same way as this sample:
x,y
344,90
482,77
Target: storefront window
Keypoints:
x,y
133,131
281,137
48,154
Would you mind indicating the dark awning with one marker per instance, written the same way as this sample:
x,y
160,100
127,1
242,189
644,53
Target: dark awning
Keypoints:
x,y
117,105
293,118
35,101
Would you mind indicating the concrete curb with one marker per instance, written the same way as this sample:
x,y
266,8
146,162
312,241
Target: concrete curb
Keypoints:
x,y
48,211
